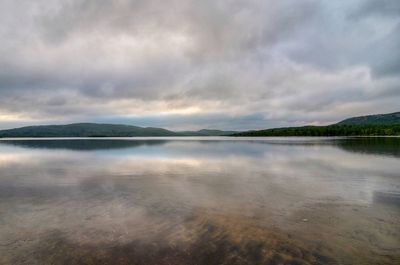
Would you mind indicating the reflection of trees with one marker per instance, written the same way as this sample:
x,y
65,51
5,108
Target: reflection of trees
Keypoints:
x,y
389,146
82,144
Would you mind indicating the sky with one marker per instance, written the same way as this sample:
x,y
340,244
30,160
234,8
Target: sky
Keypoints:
x,y
189,64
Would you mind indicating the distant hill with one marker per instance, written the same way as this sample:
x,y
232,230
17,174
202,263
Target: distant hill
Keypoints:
x,y
372,125
84,130
378,119
206,132
100,130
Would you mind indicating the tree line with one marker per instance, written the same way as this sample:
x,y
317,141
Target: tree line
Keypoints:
x,y
330,130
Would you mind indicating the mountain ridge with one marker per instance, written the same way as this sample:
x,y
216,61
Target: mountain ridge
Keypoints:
x,y
101,130
369,125
377,119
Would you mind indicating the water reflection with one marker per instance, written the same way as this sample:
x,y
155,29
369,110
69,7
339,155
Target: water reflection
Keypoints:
x,y
81,144
193,201
369,145
389,146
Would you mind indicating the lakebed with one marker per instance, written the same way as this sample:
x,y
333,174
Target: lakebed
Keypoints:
x,y
210,200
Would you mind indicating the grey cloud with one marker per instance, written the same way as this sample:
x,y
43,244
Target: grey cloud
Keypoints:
x,y
376,8
384,58
293,61
215,26
381,53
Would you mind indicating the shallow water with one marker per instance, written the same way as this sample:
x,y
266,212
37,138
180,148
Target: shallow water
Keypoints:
x,y
200,201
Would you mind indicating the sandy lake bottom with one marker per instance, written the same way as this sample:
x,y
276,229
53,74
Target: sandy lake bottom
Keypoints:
x,y
200,201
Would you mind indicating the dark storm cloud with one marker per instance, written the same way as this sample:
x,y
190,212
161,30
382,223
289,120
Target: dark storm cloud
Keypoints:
x,y
283,62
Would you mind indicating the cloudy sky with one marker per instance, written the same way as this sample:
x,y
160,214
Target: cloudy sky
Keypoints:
x,y
189,64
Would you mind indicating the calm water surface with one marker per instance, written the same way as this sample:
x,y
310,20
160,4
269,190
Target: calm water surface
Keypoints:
x,y
200,201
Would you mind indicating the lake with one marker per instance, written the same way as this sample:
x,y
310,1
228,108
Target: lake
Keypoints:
x,y
211,200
